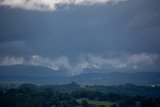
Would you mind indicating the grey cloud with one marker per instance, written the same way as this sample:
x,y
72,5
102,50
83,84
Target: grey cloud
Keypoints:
x,y
8,60
127,62
125,27
15,48
130,27
146,13
50,5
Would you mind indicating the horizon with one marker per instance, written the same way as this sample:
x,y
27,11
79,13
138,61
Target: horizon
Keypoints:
x,y
76,35
79,53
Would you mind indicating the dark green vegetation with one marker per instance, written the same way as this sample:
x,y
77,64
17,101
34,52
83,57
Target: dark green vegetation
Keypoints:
x,y
74,95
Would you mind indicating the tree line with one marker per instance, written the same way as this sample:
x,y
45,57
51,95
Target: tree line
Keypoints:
x,y
30,95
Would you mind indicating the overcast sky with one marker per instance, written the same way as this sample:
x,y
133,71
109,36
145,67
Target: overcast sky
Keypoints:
x,y
79,34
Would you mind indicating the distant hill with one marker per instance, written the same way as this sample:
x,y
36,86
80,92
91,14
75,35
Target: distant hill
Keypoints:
x,y
115,78
43,75
28,70
27,73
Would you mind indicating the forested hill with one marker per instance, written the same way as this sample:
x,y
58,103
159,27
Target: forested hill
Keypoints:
x,y
75,95
127,89
43,75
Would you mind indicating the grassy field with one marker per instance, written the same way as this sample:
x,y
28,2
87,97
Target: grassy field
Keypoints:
x,y
97,103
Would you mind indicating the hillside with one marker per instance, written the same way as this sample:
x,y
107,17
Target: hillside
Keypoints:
x,y
43,75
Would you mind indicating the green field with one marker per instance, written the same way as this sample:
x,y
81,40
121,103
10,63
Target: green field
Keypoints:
x,y
97,103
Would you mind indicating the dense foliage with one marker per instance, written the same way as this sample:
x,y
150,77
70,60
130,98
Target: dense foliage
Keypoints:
x,y
74,95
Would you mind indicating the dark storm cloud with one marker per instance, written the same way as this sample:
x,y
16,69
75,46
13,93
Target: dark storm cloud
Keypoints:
x,y
15,48
123,36
131,27
146,13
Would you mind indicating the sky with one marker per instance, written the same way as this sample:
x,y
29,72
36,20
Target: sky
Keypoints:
x,y
121,35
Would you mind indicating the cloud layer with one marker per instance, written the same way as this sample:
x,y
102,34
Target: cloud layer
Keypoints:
x,y
50,5
129,27
125,62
